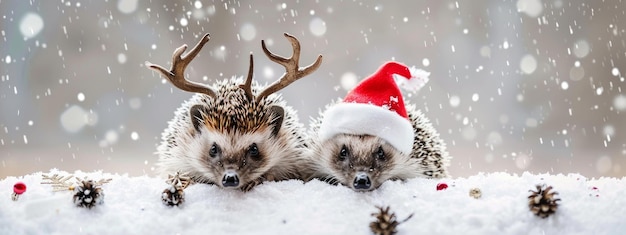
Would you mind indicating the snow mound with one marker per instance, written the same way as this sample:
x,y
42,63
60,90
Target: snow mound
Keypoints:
x,y
132,205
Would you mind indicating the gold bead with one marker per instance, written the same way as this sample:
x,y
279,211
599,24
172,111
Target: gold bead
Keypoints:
x,y
475,193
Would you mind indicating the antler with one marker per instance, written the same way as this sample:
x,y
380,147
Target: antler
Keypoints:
x,y
292,70
176,74
247,86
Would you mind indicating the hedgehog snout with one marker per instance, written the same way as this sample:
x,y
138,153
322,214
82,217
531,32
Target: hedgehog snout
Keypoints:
x,y
231,160
230,179
362,181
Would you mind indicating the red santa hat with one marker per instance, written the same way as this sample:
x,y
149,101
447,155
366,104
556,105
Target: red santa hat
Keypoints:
x,y
376,107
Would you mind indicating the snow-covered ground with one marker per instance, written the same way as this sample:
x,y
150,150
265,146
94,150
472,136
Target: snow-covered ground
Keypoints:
x,y
132,205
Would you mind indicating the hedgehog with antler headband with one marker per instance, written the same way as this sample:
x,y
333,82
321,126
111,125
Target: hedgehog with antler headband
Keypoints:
x,y
235,133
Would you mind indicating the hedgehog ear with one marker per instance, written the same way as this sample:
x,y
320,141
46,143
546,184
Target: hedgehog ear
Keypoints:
x,y
195,113
278,114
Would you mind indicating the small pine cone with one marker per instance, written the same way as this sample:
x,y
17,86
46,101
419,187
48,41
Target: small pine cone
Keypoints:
x,y
543,202
88,194
386,222
173,196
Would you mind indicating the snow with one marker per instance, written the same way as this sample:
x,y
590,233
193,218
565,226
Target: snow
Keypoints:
x,y
132,205
134,135
564,85
183,22
80,97
197,4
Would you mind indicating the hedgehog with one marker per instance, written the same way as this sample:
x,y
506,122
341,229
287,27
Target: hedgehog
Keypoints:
x,y
234,134
372,135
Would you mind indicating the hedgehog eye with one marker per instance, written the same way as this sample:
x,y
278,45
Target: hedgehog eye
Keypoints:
x,y
380,154
343,153
214,151
253,150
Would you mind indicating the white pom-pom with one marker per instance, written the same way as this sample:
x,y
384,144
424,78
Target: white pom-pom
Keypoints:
x,y
418,79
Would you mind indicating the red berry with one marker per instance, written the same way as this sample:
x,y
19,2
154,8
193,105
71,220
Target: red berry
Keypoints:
x,y
19,188
594,188
441,186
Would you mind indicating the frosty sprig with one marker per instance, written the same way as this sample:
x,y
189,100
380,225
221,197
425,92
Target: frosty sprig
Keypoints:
x,y
58,183
87,193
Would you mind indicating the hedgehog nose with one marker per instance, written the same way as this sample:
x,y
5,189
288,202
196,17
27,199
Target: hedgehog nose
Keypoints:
x,y
230,179
362,181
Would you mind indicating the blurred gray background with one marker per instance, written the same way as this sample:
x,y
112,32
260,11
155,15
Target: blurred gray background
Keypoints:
x,y
516,85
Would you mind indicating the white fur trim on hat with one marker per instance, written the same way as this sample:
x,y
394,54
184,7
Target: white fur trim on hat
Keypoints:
x,y
418,79
360,119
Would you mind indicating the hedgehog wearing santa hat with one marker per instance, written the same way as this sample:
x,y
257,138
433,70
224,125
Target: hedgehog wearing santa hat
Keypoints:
x,y
373,135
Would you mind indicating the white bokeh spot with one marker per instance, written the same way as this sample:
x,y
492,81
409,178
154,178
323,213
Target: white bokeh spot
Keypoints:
x,y
127,6
30,25
317,27
348,81
581,48
532,8
247,32
455,101
619,102
528,64
74,119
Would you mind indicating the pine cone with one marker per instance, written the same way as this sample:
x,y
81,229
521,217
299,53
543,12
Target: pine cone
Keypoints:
x,y
386,222
542,202
173,196
88,194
